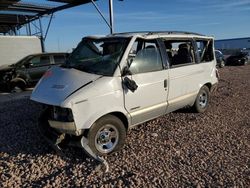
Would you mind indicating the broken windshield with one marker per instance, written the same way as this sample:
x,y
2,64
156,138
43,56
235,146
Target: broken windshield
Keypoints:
x,y
98,56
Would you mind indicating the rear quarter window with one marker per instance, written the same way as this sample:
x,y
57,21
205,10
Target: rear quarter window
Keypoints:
x,y
205,48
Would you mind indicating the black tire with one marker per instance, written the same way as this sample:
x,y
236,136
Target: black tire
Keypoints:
x,y
20,85
202,100
107,135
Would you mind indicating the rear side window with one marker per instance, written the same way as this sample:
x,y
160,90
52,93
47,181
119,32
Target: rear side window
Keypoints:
x,y
145,57
59,59
205,49
180,52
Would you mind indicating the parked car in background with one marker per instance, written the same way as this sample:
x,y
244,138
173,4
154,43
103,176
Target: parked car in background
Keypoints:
x,y
112,83
27,71
239,58
219,58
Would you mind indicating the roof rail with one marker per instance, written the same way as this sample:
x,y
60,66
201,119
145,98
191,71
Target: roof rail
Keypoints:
x,y
131,32
176,32
159,32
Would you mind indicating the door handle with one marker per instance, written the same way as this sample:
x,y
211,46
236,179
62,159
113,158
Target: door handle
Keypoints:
x,y
165,83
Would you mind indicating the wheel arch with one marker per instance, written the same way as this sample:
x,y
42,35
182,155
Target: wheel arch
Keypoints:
x,y
209,85
119,114
18,80
122,117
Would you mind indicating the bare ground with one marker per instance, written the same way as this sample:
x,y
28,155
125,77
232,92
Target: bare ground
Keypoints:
x,y
181,149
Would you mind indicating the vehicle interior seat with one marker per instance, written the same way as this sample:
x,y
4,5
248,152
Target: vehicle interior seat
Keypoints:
x,y
183,55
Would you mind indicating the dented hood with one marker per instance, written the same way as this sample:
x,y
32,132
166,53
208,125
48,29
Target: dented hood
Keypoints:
x,y
59,83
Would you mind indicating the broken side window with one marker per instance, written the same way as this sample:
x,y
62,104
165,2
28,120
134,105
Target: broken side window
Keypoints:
x,y
205,49
145,57
180,52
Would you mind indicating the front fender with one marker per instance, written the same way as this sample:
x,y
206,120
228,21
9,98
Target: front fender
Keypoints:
x,y
89,111
93,118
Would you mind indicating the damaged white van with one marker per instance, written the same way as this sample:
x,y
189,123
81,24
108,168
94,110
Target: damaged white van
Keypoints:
x,y
114,82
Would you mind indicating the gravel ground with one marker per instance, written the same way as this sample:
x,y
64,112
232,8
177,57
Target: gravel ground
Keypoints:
x,y
181,149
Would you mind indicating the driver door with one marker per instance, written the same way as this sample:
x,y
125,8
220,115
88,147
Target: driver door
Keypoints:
x,y
149,100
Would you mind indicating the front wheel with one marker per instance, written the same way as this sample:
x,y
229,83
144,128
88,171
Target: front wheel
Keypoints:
x,y
107,135
202,100
18,86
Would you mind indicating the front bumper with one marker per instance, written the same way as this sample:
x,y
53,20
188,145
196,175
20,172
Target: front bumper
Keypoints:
x,y
53,137
56,134
52,134
65,127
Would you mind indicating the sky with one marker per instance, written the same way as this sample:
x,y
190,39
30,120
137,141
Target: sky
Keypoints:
x,y
219,18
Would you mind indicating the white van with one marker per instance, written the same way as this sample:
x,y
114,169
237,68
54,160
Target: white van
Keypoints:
x,y
111,83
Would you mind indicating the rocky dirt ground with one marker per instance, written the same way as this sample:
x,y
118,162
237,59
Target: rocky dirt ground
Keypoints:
x,y
181,149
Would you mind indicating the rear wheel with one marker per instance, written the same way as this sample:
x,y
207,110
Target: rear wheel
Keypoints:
x,y
222,64
202,100
245,62
107,135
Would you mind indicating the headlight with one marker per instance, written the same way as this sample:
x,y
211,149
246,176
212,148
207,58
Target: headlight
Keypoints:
x,y
7,77
62,114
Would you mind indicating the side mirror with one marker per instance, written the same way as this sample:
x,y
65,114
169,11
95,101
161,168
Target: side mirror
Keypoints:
x,y
126,71
130,84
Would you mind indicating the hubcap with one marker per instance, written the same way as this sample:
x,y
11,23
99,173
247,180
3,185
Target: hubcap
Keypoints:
x,y
203,99
106,138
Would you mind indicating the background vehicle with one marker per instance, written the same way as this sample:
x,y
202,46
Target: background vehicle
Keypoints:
x,y
239,58
27,71
219,58
111,83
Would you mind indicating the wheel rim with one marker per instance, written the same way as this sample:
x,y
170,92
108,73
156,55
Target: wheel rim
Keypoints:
x,y
106,138
203,99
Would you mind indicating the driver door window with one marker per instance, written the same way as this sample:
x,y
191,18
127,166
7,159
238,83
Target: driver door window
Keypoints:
x,y
40,61
145,57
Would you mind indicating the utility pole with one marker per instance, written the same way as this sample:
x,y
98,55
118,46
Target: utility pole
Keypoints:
x,y
109,23
111,16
